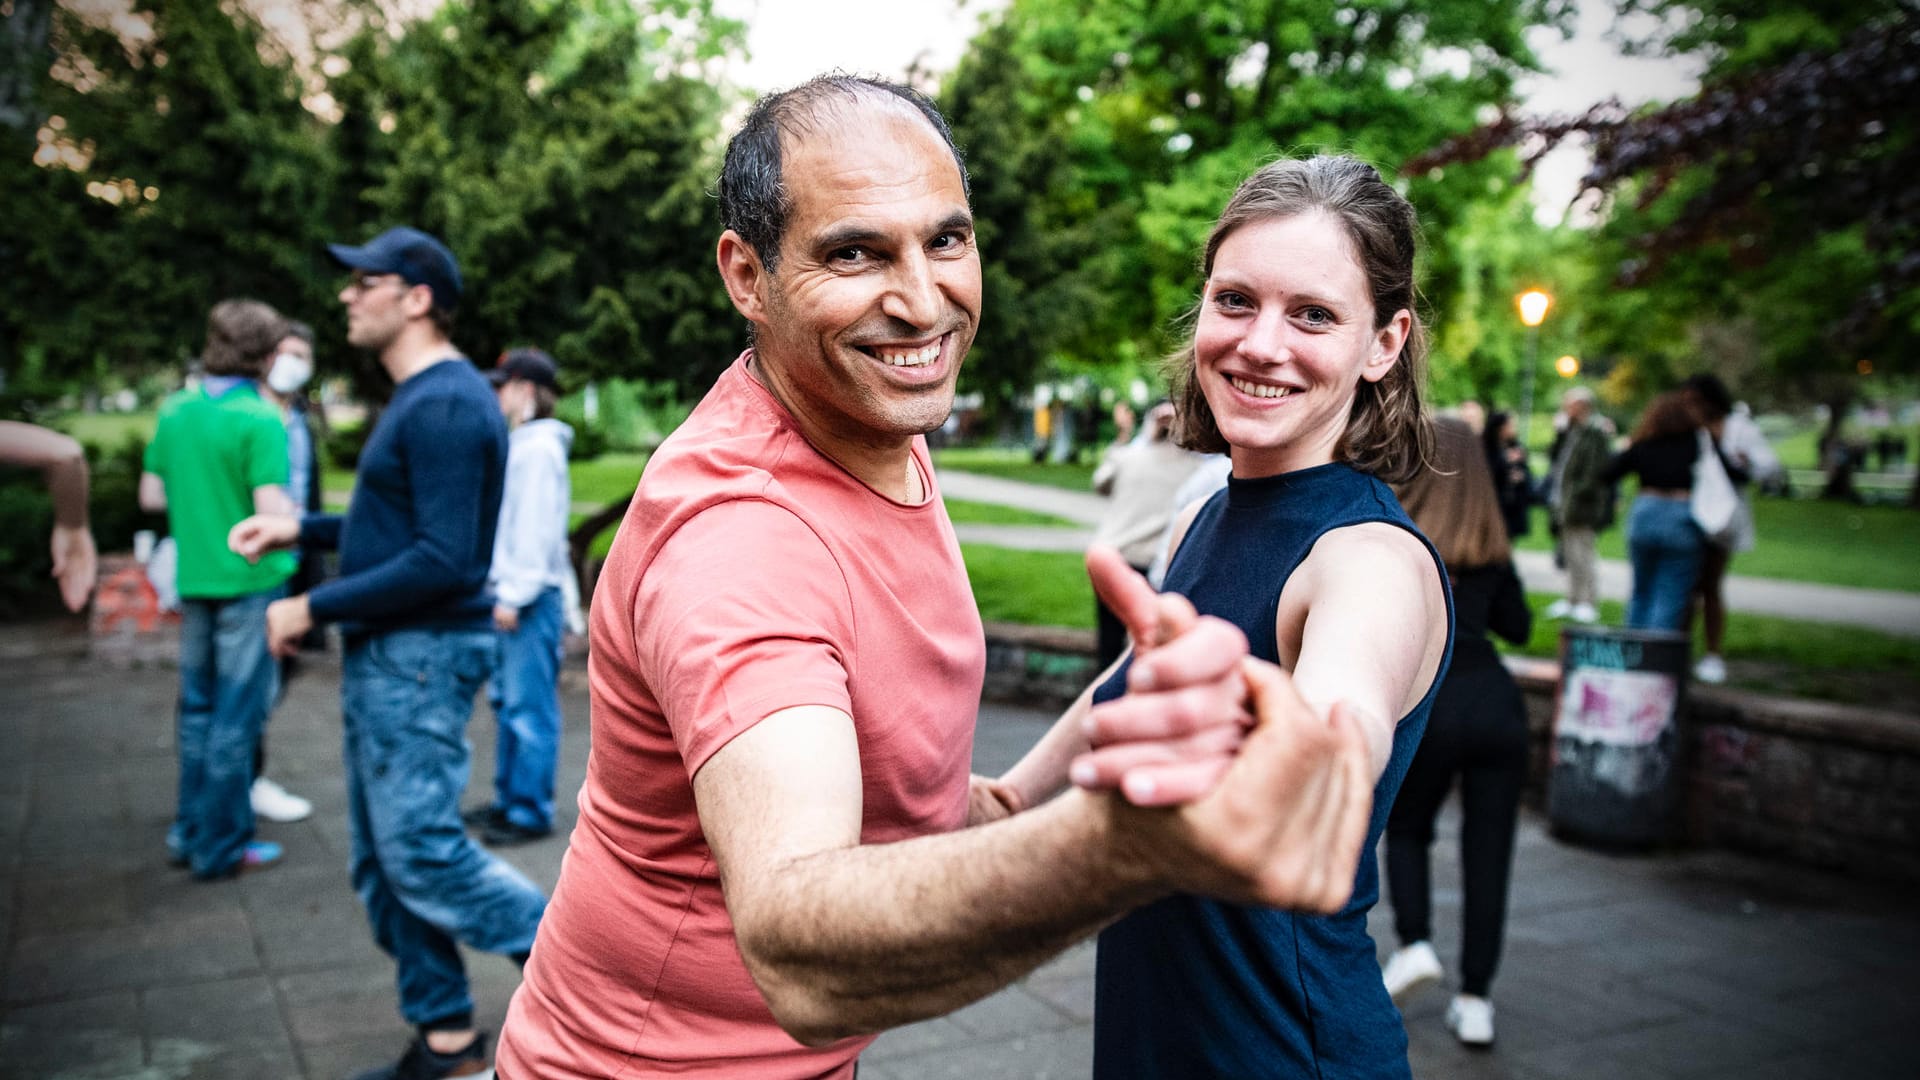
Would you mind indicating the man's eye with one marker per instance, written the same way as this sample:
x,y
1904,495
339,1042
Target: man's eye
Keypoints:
x,y
847,255
947,241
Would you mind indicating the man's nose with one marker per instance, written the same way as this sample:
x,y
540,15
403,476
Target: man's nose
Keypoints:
x,y
913,292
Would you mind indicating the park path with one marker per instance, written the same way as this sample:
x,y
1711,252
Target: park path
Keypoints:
x,y
1874,609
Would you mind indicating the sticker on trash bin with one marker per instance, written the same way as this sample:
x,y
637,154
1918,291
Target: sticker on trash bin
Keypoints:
x,y
1619,708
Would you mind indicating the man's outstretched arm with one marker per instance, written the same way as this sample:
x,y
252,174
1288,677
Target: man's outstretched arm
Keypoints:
x,y
846,939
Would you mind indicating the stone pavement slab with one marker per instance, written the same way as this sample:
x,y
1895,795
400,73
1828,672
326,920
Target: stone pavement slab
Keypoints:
x,y
118,967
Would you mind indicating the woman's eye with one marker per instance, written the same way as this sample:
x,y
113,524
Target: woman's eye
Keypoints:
x,y
1231,301
1317,316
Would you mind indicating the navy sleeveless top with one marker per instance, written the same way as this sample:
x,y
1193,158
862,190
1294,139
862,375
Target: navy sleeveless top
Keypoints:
x,y
1190,987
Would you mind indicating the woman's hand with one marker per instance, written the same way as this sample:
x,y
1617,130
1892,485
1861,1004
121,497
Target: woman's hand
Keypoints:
x,y
1186,710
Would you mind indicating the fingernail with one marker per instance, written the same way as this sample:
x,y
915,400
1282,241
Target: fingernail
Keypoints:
x,y
1139,678
1140,788
1088,726
1083,773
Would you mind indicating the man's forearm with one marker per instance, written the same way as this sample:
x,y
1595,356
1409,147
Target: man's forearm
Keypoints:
x,y
860,939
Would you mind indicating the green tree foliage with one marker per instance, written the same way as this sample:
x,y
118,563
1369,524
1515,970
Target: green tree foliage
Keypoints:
x,y
150,172
162,160
1104,136
1776,207
563,155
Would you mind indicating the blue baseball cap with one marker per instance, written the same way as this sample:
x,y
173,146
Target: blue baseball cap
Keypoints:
x,y
418,258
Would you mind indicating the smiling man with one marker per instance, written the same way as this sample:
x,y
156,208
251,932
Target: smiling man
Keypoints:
x,y
780,851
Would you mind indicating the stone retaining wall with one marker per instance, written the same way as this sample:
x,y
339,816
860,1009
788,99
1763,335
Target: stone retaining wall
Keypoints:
x,y
1830,785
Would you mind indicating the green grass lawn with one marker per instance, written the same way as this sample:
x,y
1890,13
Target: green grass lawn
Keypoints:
x,y
605,478
1015,463
107,430
1039,588
1872,547
1051,589
964,512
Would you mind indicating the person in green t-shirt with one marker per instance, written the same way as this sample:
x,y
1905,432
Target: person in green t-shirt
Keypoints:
x,y
218,455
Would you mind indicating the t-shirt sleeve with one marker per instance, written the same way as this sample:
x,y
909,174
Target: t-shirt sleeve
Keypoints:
x,y
743,612
154,458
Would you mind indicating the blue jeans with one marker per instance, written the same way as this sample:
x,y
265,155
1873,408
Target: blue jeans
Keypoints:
x,y
526,701
227,683
407,696
1665,547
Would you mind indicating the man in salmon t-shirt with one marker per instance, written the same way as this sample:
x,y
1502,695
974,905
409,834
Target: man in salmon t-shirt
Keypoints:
x,y
780,851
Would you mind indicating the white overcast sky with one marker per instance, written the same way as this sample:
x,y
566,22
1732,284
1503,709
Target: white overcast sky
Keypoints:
x,y
792,40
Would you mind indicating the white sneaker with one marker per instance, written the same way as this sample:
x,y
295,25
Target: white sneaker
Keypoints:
x,y
1410,968
1471,1020
1710,669
1584,613
275,803
1558,609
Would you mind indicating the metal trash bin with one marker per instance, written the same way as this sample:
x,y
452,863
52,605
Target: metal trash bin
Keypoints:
x,y
1615,774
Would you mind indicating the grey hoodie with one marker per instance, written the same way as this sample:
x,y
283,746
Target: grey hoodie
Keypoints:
x,y
530,546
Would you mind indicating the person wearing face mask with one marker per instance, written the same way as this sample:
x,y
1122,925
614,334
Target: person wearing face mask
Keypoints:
x,y
284,387
529,576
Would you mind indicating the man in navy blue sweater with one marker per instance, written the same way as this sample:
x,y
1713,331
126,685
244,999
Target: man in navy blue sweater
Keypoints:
x,y
416,619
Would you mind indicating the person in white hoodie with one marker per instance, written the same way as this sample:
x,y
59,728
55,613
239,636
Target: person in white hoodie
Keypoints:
x,y
530,578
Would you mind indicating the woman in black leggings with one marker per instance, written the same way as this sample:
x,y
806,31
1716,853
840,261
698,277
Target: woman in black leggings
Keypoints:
x,y
1477,732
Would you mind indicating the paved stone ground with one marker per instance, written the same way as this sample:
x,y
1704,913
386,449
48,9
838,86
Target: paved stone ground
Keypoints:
x,y
118,967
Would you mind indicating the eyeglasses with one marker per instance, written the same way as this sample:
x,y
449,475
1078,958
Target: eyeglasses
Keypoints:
x,y
365,281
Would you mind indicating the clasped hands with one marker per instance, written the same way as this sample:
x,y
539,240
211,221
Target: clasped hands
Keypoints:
x,y
1241,787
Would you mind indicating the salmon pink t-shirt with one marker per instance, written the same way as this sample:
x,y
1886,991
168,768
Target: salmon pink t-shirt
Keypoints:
x,y
751,574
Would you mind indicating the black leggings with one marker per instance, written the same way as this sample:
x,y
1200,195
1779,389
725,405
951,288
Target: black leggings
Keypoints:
x,y
1478,732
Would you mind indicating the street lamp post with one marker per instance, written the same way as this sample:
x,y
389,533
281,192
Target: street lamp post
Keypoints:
x,y
1533,305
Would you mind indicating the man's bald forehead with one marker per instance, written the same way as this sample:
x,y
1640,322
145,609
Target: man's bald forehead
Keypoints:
x,y
754,201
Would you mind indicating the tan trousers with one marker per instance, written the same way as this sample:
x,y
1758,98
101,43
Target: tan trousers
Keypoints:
x,y
1577,548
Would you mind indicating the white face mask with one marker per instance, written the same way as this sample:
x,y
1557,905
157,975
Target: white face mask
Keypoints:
x,y
289,372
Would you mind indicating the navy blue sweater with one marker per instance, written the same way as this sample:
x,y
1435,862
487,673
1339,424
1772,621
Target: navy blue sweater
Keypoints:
x,y
418,537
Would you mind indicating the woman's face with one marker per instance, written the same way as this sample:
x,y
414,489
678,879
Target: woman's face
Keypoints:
x,y
1285,335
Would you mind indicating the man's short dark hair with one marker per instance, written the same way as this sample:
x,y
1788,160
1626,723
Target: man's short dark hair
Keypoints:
x,y
754,201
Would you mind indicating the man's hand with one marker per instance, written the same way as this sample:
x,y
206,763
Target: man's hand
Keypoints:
x,y
261,533
1285,824
75,564
287,622
990,800
506,618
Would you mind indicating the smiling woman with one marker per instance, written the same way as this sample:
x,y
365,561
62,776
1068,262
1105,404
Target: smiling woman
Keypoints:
x,y
1304,366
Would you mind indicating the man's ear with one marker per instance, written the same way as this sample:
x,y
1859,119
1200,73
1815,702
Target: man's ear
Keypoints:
x,y
417,302
744,275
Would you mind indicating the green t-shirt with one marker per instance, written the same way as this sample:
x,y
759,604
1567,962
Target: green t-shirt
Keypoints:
x,y
211,452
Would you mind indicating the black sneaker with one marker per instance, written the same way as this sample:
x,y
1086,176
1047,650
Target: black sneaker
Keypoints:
x,y
482,817
504,833
420,1062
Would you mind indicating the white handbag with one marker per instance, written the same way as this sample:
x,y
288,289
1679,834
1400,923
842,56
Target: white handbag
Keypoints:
x,y
1714,502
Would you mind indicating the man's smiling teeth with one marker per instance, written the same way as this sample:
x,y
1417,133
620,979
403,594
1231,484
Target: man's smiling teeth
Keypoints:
x,y
1259,389
915,358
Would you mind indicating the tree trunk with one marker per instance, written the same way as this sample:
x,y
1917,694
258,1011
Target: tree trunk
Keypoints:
x,y
1836,457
